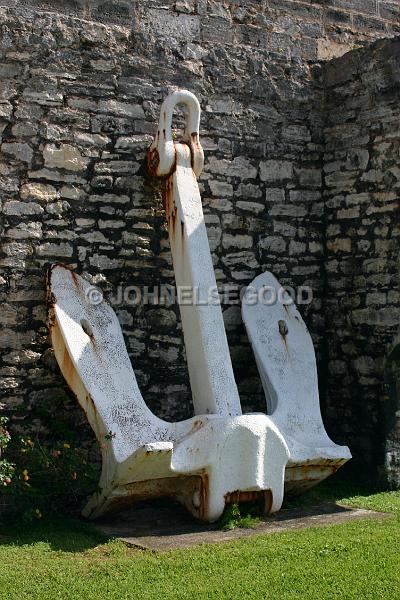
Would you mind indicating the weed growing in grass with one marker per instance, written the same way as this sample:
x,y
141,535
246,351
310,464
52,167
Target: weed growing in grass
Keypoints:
x,y
233,517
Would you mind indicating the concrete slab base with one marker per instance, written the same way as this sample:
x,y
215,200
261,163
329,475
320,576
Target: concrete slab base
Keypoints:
x,y
158,526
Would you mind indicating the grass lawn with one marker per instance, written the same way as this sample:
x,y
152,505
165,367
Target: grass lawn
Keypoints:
x,y
67,559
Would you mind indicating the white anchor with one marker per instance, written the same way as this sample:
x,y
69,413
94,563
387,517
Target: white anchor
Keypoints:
x,y
219,455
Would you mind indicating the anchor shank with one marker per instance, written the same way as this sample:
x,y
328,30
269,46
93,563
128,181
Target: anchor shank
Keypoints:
x,y
212,381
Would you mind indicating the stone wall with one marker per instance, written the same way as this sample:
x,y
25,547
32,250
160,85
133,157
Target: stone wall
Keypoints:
x,y
79,104
362,301
319,29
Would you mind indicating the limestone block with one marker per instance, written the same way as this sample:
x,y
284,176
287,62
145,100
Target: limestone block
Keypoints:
x,y
220,188
50,249
18,150
253,207
276,170
15,207
38,191
236,241
65,157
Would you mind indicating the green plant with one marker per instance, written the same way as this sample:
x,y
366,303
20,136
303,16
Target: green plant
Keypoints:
x,y
49,477
55,455
233,518
6,468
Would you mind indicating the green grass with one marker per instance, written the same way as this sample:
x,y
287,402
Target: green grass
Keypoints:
x,y
69,560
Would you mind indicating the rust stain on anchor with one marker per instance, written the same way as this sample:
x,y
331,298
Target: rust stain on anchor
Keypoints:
x,y
194,147
243,496
196,425
168,201
171,210
51,299
153,160
75,280
204,491
262,497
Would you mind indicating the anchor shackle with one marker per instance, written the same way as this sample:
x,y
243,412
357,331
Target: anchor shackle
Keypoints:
x,y
161,155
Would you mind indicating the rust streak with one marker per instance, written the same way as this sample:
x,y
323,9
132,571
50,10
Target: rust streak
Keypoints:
x,y
268,500
153,160
242,496
196,425
283,331
167,197
204,496
283,337
176,488
262,497
51,299
171,210
75,280
68,368
194,145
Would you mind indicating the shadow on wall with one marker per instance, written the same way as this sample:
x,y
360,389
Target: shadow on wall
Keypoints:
x,y
391,475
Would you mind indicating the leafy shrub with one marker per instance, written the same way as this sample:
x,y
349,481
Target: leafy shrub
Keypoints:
x,y
55,455
6,468
54,459
49,478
